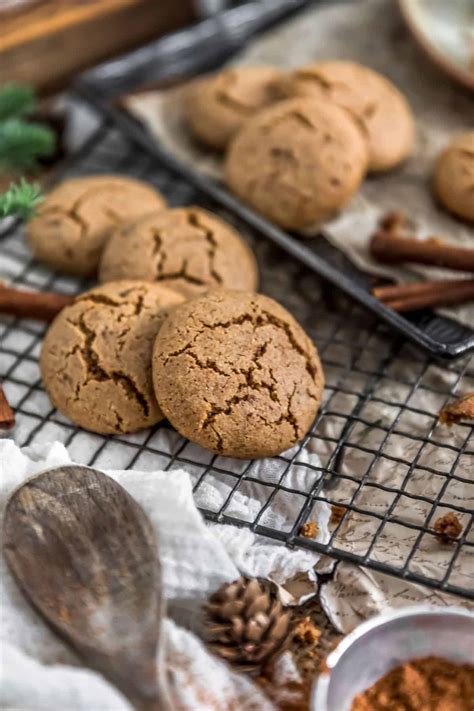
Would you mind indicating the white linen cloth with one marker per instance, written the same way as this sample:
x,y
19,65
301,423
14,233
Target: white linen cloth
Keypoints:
x,y
39,671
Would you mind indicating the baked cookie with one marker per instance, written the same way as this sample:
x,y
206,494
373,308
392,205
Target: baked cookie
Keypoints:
x,y
235,373
217,105
186,248
297,162
380,109
453,179
96,357
75,220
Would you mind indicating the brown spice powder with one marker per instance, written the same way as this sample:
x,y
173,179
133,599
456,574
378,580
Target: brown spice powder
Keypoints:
x,y
430,684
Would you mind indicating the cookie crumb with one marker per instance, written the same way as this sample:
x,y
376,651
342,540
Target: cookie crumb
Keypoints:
x,y
460,409
310,529
337,512
448,527
307,633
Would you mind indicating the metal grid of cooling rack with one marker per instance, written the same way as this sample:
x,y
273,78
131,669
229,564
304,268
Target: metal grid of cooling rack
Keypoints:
x,y
380,452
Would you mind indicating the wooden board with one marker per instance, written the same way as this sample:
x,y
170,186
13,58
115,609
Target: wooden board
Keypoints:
x,y
48,42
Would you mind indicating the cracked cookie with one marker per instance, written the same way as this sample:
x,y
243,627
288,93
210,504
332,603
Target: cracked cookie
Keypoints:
x,y
235,373
72,225
380,109
217,105
297,162
96,357
453,179
186,248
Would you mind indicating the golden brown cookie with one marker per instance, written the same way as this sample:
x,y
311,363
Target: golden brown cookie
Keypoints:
x,y
453,179
297,162
96,357
186,248
72,225
234,372
381,110
217,105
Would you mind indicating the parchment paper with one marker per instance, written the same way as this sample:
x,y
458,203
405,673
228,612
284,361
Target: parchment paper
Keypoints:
x,y
370,32
415,461
354,594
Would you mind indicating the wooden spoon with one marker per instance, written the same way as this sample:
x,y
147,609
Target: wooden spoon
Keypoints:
x,y
84,554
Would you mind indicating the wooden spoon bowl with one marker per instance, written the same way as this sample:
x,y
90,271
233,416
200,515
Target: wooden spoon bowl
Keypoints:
x,y
84,554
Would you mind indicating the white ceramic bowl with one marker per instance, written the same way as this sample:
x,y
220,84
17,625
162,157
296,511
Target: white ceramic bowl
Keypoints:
x,y
444,29
390,639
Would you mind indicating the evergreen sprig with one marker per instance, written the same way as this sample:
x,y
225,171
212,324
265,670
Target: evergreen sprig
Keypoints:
x,y
20,199
22,143
16,100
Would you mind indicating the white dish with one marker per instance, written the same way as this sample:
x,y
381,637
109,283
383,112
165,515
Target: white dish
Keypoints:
x,y
444,29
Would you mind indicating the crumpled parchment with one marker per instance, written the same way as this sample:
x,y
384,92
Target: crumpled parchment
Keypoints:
x,y
370,32
354,594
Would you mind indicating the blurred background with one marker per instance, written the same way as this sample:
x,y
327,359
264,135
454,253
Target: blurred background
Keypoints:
x,y
47,42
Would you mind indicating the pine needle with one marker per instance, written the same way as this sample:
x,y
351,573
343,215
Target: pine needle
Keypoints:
x,y
20,199
22,143
16,100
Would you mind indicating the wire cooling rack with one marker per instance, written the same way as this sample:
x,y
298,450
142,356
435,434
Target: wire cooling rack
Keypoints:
x,y
381,454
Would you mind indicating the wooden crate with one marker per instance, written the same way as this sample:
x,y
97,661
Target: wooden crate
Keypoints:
x,y
48,42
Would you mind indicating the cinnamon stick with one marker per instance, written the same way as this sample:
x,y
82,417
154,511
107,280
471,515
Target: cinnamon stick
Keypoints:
x,y
390,248
409,297
7,416
43,306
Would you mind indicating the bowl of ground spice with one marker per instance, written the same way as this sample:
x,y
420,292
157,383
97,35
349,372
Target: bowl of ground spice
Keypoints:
x,y
413,659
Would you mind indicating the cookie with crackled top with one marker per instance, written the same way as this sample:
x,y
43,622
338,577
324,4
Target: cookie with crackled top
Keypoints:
x,y
96,356
186,248
217,105
75,220
297,162
380,109
235,373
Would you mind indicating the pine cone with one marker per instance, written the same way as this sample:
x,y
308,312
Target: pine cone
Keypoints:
x,y
246,624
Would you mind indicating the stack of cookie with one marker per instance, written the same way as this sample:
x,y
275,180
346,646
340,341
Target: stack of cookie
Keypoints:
x,y
232,371
175,330
298,145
